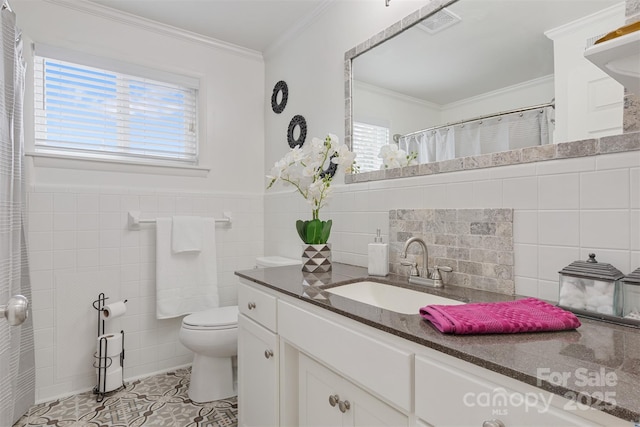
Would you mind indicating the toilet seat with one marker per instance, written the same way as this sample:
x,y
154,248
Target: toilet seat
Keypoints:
x,y
212,319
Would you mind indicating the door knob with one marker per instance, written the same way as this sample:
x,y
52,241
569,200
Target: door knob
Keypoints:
x,y
268,354
493,423
16,311
251,305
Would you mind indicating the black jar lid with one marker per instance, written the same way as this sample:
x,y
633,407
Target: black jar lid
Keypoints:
x,y
633,278
592,269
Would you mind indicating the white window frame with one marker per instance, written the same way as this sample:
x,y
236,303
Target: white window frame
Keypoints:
x,y
139,73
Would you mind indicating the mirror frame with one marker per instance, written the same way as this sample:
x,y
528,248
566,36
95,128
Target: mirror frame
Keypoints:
x,y
589,147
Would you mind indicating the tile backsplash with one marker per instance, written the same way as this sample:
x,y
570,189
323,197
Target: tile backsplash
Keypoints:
x,y
476,243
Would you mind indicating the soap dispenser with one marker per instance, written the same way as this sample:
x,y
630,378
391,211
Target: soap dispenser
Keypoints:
x,y
378,257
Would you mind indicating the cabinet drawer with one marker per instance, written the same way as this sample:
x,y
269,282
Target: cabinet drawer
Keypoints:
x,y
257,305
455,393
372,363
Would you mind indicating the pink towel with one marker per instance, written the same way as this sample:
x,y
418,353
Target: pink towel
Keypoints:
x,y
525,315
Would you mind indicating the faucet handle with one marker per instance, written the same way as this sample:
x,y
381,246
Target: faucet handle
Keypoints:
x,y
413,267
439,268
437,278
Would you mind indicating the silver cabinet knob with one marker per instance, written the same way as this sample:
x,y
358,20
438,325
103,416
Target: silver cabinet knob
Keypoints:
x,y
344,406
493,423
268,354
16,311
251,305
334,399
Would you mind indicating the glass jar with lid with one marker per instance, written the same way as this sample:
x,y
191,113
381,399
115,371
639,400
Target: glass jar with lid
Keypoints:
x,y
591,288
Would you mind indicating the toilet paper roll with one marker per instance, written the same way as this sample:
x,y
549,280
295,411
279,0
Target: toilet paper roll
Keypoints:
x,y
111,311
112,380
110,346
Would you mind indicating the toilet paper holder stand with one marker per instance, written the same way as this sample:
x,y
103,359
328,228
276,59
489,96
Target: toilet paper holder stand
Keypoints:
x,y
102,360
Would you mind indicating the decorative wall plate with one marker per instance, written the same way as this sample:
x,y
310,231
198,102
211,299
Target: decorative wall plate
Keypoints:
x,y
297,121
280,90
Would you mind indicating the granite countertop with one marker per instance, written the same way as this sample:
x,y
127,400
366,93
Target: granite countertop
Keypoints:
x,y
600,361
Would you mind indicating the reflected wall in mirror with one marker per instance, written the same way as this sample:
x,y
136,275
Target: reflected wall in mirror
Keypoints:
x,y
439,87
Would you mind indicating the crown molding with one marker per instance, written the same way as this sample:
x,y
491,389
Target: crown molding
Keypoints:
x,y
505,90
297,28
397,95
587,21
95,9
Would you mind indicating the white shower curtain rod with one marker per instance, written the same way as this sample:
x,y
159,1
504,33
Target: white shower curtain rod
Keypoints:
x,y
488,116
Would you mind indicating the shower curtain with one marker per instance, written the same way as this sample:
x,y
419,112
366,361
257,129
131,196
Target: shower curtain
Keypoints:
x,y
506,132
17,364
500,133
430,146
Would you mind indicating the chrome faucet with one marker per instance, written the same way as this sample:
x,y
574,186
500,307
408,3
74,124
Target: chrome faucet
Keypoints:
x,y
425,257
422,277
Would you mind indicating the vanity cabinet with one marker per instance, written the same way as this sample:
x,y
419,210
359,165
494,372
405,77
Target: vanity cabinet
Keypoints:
x,y
321,360
258,359
327,399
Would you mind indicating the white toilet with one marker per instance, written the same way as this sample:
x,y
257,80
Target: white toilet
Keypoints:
x,y
212,335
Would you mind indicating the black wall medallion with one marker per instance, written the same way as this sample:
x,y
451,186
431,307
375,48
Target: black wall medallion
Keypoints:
x,y
280,90
297,121
331,170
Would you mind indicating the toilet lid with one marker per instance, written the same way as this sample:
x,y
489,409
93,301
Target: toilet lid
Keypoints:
x,y
213,318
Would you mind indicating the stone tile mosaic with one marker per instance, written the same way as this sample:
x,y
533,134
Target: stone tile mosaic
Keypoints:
x,y
160,400
476,243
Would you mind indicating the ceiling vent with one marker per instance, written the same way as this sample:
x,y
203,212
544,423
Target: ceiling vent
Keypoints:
x,y
439,21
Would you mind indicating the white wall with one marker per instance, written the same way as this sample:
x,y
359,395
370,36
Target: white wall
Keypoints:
x,y
79,244
312,64
400,113
563,208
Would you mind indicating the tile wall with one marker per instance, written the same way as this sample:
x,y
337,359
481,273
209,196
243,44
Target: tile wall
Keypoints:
x,y
563,210
80,245
476,243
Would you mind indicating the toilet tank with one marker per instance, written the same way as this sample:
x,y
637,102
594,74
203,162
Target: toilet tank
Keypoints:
x,y
275,261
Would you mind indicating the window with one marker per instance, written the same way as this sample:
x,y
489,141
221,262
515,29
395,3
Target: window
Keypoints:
x,y
367,141
94,112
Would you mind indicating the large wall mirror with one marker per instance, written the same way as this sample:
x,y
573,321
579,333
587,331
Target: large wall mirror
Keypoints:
x,y
441,87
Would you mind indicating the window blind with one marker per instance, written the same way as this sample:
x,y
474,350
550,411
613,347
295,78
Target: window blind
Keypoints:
x,y
367,142
94,112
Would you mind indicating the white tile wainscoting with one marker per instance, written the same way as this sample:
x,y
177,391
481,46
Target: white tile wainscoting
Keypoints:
x,y
80,245
563,210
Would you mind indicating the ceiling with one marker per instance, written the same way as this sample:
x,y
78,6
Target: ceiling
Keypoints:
x,y
252,24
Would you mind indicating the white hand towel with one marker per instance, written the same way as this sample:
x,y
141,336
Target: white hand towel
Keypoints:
x,y
186,282
186,233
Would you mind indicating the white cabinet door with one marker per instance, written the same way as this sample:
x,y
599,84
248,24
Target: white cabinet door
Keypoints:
x,y
316,385
257,374
328,400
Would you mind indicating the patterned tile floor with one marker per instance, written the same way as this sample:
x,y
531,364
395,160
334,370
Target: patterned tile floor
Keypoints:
x,y
160,400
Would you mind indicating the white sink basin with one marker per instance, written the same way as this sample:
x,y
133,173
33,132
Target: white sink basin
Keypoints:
x,y
389,297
